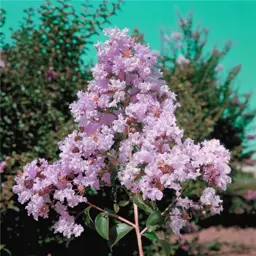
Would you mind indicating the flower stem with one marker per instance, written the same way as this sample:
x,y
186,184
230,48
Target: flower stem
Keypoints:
x,y
112,215
165,210
137,229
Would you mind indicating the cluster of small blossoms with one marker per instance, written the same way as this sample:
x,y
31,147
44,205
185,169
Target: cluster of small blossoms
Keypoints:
x,y
3,164
126,122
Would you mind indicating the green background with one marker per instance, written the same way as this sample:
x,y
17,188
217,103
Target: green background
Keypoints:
x,y
235,20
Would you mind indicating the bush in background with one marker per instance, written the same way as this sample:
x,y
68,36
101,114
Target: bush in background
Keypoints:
x,y
211,106
41,70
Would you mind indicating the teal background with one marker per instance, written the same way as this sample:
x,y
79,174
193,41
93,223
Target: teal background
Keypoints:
x,y
235,20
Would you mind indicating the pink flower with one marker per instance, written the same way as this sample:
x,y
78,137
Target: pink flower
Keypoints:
x,y
50,75
2,166
177,222
126,122
183,22
182,61
219,68
2,63
251,194
251,137
185,247
176,36
209,199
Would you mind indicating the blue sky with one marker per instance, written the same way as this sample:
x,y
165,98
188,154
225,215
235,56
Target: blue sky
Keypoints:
x,y
235,20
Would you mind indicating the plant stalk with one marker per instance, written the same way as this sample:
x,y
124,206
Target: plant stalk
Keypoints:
x,y
137,229
112,214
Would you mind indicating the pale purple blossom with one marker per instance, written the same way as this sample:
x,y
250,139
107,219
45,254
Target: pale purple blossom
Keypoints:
x,y
251,137
3,164
183,22
2,63
126,122
50,75
176,36
250,194
210,199
182,61
177,222
219,68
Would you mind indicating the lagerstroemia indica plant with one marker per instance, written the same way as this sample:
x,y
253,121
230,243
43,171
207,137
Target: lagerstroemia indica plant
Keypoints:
x,y
127,134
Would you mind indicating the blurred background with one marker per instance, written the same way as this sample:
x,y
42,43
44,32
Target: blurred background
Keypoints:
x,y
46,55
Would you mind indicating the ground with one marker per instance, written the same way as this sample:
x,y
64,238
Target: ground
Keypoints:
x,y
234,241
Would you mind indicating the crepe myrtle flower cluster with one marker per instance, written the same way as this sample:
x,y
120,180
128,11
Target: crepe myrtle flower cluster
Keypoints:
x,y
126,122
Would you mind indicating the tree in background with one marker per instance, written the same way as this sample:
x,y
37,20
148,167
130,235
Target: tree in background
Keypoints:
x,y
210,105
41,70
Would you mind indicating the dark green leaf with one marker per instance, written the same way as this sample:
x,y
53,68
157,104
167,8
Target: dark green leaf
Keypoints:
x,y
102,225
123,203
151,236
116,208
2,248
117,232
113,177
87,218
166,247
154,221
137,199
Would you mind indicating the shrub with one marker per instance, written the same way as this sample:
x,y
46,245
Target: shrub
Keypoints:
x,y
41,69
127,139
210,105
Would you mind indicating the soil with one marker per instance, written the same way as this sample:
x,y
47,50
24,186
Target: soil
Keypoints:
x,y
234,241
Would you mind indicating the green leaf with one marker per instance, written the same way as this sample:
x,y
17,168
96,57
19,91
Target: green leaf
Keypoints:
x,y
154,221
166,247
123,203
113,177
87,218
117,232
137,199
151,236
102,225
2,248
116,208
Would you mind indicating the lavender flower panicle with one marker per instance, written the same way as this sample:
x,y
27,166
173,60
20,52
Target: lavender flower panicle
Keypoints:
x,y
126,118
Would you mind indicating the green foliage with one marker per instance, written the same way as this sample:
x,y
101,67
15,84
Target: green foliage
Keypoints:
x,y
210,105
117,232
102,225
123,203
87,218
166,247
142,204
43,72
151,236
154,221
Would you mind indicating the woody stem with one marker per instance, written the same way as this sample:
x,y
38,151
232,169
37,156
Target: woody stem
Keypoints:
x,y
137,229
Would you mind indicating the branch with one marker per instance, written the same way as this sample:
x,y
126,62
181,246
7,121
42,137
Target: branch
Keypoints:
x,y
165,210
137,229
112,215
